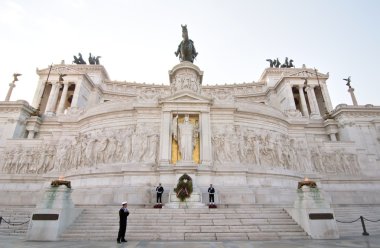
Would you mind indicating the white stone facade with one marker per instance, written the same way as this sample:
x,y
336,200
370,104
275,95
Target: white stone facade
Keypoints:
x,y
113,139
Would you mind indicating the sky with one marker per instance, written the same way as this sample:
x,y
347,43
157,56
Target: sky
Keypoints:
x,y
137,40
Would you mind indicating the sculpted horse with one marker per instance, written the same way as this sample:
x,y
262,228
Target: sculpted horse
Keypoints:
x,y
186,49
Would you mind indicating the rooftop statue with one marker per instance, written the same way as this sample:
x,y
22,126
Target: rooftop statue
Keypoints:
x,y
186,49
275,63
15,76
348,81
94,60
79,60
271,62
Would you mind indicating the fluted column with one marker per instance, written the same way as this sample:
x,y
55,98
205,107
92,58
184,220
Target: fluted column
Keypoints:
x,y
292,104
62,101
326,97
305,111
52,98
165,139
205,137
312,101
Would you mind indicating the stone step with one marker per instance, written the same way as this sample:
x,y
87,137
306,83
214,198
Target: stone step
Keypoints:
x,y
16,215
187,224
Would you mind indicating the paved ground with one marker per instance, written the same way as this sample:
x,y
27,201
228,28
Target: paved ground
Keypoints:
x,y
353,242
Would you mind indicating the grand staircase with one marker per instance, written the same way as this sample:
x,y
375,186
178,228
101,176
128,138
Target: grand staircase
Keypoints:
x,y
349,213
249,223
17,215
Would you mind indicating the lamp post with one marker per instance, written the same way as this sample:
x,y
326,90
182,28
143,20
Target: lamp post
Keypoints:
x,y
11,86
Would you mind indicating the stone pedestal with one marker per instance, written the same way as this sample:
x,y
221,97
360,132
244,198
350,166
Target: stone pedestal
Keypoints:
x,y
52,215
314,214
194,201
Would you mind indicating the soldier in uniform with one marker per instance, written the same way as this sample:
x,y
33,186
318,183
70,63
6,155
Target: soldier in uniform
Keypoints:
x,y
123,214
211,193
159,191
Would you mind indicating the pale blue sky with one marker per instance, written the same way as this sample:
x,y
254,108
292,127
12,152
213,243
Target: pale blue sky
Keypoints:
x,y
137,39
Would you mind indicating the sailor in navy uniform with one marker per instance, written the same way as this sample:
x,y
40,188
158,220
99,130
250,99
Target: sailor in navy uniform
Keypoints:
x,y
123,214
211,193
159,191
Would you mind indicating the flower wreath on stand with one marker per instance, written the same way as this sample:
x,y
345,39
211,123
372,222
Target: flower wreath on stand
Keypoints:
x,y
184,187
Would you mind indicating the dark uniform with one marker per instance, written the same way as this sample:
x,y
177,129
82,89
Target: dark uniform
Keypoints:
x,y
211,193
159,191
123,214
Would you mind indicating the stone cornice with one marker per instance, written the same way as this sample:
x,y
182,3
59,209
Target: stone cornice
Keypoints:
x,y
292,73
368,110
16,106
73,69
186,97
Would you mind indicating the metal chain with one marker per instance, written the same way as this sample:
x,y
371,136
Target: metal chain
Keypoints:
x,y
347,221
14,223
371,220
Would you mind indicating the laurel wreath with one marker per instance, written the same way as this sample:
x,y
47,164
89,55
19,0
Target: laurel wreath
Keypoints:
x,y
184,187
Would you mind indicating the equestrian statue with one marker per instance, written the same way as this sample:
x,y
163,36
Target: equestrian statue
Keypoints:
x,y
186,49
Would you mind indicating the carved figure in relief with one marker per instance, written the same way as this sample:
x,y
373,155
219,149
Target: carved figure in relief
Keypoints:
x,y
100,148
153,146
110,150
61,156
21,162
139,144
303,155
215,145
49,159
292,156
9,160
186,142
127,155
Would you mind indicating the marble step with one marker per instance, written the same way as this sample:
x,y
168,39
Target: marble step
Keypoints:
x,y
15,214
187,224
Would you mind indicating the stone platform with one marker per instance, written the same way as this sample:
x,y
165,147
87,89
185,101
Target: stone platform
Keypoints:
x,y
351,242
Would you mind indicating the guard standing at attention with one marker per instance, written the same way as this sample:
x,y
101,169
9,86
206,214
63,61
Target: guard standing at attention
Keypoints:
x,y
159,191
211,193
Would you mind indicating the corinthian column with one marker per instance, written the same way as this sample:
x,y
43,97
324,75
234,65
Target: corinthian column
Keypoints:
x,y
305,111
292,104
52,98
326,97
62,101
312,101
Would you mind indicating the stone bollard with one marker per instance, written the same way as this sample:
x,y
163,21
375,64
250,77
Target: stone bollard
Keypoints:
x,y
54,213
313,213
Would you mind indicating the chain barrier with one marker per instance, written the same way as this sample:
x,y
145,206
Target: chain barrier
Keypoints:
x,y
346,222
13,223
362,219
371,220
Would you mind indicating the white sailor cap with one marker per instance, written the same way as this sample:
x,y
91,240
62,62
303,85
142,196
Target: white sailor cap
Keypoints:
x,y
124,202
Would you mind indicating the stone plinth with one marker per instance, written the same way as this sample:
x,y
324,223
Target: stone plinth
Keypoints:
x,y
194,201
314,214
53,214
